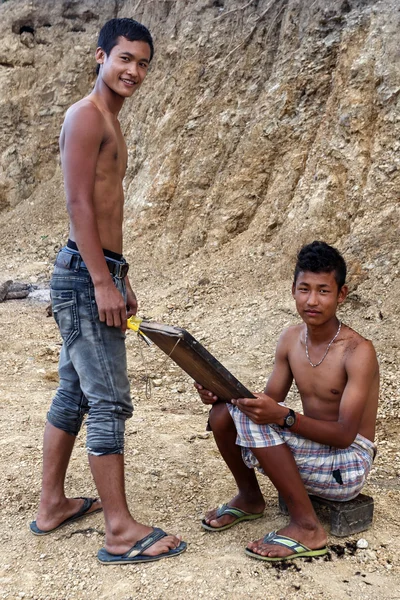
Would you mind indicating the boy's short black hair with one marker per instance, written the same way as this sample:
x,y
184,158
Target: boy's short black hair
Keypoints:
x,y
128,28
319,257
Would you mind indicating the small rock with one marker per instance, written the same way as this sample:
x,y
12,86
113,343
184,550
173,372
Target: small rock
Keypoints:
x,y
157,382
362,543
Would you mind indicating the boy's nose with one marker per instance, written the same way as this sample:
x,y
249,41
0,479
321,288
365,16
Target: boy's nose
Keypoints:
x,y
312,299
133,70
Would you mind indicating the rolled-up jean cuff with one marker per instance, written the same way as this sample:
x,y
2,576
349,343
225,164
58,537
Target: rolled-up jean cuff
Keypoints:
x,y
103,453
60,426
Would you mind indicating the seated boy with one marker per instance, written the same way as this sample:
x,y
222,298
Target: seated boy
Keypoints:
x,y
327,451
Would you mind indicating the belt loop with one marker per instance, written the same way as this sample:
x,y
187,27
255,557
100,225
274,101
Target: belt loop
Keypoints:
x,y
78,258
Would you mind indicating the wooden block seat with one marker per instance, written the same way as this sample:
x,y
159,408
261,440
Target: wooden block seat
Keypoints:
x,y
345,518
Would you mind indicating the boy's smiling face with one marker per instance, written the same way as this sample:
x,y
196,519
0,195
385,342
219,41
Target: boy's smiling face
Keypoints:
x,y
317,296
125,68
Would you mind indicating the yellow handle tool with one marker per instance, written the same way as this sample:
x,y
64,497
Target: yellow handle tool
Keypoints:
x,y
134,323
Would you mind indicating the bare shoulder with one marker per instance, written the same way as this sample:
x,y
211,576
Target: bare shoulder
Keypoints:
x,y
357,347
289,336
84,112
84,123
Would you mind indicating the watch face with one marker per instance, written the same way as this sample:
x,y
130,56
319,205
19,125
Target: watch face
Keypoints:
x,y
289,421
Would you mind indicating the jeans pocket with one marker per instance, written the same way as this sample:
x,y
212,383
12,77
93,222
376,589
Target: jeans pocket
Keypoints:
x,y
65,311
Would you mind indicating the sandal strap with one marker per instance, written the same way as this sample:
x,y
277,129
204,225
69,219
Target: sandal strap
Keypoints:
x,y
276,539
146,542
224,509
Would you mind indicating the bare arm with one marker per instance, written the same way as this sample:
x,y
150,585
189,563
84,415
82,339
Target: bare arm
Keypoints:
x,y
280,380
83,133
361,368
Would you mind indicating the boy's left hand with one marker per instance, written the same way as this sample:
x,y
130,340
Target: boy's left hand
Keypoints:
x,y
131,302
262,409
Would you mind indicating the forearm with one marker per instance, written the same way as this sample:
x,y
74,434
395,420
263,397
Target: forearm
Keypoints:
x,y
128,285
329,433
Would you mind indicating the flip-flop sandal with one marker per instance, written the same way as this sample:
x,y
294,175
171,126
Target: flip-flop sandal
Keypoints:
x,y
135,554
240,515
82,512
298,549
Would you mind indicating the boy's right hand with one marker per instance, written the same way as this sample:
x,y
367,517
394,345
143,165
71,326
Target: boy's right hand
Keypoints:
x,y
206,396
111,305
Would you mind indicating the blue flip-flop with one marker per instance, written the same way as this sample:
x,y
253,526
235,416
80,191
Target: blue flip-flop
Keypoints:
x,y
239,514
82,512
135,554
298,549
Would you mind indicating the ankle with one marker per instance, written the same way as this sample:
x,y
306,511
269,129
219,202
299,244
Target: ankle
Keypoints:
x,y
119,526
250,495
51,502
306,523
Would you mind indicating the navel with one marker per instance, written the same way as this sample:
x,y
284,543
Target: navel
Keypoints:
x,y
335,392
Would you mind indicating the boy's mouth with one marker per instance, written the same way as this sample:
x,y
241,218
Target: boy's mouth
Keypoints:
x,y
128,82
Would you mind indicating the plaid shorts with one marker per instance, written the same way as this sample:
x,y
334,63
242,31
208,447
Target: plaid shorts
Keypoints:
x,y
328,472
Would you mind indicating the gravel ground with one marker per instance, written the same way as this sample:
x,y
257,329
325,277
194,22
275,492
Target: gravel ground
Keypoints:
x,y
174,472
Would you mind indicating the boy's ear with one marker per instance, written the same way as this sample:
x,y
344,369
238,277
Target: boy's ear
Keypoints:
x,y
344,290
293,289
100,56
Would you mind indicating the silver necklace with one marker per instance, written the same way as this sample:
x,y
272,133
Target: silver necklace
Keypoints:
x,y
327,349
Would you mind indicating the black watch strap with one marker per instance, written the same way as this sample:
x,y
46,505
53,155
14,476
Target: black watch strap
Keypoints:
x,y
290,419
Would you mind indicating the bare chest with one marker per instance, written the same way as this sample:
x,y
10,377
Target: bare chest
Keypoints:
x,y
113,155
324,383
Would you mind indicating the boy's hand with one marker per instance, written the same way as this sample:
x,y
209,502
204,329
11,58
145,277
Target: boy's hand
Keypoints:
x,y
262,409
206,396
131,302
111,305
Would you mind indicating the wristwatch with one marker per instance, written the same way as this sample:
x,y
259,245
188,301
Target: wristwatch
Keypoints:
x,y
290,419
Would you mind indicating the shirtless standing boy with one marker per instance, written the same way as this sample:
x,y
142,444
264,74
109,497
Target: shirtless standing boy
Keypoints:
x,y
329,450
92,299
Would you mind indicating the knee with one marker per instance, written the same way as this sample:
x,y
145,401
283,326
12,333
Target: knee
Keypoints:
x,y
66,412
105,435
220,418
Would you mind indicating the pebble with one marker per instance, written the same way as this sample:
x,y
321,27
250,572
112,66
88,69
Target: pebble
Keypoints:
x,y
362,543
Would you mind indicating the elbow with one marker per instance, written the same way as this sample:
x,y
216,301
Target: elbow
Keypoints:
x,y
345,441
345,438
344,444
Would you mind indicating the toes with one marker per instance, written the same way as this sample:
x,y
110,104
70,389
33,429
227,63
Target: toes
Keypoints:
x,y
210,516
219,522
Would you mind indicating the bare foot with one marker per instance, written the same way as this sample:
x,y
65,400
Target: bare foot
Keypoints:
x,y
120,544
314,539
51,516
252,506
